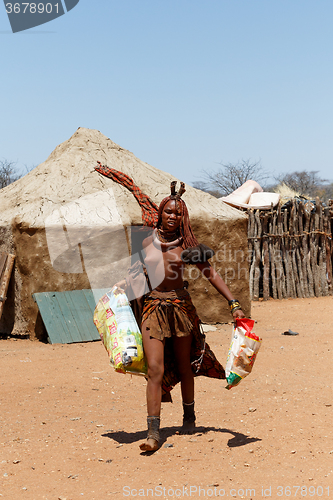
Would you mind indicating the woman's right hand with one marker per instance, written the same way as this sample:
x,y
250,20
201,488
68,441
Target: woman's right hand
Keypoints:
x,y
238,314
121,286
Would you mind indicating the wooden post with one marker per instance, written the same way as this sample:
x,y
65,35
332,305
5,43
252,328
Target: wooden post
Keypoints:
x,y
328,239
303,250
297,256
307,250
273,264
279,256
314,229
257,259
322,253
251,233
7,261
265,259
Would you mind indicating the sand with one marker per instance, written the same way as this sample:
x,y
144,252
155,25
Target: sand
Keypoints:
x,y
71,426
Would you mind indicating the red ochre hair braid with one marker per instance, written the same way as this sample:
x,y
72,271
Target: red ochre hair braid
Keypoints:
x,y
185,225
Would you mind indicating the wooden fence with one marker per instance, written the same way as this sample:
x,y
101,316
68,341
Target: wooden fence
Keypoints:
x,y
291,251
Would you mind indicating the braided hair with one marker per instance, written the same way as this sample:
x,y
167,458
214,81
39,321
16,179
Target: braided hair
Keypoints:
x,y
185,226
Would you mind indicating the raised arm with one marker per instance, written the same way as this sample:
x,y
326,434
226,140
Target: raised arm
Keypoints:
x,y
215,279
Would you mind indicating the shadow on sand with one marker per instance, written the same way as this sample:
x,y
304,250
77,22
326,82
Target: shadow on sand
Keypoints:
x,y
123,437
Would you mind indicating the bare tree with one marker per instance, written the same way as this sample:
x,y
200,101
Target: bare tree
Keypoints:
x,y
203,186
8,173
328,192
304,182
231,176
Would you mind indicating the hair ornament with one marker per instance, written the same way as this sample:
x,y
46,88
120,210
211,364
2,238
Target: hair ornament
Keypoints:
x,y
174,194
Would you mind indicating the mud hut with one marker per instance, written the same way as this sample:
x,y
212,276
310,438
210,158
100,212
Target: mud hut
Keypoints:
x,y
72,228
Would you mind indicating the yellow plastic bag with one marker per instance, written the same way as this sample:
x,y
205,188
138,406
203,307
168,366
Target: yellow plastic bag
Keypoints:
x,y
120,333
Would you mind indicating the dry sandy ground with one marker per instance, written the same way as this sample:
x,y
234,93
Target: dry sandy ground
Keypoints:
x,y
70,426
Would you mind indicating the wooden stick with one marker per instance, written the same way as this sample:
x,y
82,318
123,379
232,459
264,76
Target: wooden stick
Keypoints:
x,y
5,278
251,234
291,253
303,250
285,257
272,240
3,260
314,249
265,252
279,256
328,238
257,261
307,240
298,261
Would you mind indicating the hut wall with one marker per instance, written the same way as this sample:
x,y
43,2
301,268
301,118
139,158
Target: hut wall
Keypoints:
x,y
230,261
103,264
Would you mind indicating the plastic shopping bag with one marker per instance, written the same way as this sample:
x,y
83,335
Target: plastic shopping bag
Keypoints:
x,y
242,352
120,333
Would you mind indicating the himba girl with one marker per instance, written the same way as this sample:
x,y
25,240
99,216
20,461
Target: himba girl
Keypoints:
x,y
169,319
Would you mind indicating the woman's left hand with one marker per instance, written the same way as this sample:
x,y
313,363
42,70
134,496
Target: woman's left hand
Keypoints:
x,y
238,314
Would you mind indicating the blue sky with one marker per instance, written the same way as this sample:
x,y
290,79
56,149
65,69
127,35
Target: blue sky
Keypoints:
x,y
183,84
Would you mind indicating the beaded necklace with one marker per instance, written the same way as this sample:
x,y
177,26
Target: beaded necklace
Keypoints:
x,y
160,239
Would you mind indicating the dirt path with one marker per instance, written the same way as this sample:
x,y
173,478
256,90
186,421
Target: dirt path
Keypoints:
x,y
70,426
